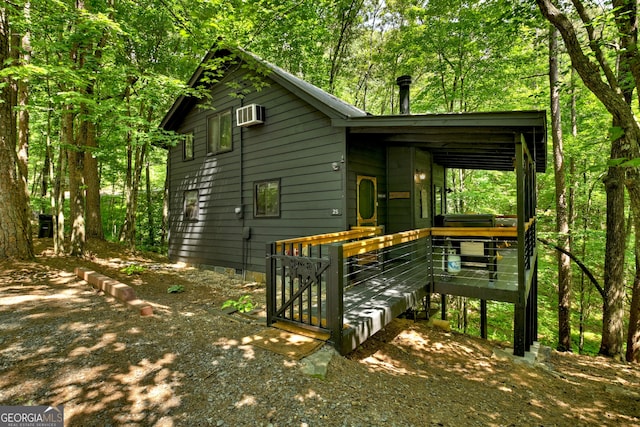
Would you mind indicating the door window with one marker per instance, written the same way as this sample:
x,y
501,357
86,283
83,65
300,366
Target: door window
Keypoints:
x,y
367,200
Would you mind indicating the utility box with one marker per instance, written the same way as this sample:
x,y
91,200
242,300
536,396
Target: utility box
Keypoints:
x,y
45,228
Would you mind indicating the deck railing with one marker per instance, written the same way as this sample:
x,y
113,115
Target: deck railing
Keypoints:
x,y
298,276
307,277
397,255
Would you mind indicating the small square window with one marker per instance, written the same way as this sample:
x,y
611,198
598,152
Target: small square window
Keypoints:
x,y
191,205
187,151
219,133
267,199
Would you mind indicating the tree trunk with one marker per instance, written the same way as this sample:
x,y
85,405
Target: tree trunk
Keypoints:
x,y
457,185
613,305
92,181
347,20
23,101
15,226
128,189
573,215
135,159
57,201
76,154
150,225
626,14
633,333
562,219
165,207
76,185
592,68
91,173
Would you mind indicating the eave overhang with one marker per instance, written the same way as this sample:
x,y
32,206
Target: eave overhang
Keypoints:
x,y
465,140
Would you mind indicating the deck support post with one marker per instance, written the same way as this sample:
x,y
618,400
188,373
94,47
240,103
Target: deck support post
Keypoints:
x,y
532,309
271,282
443,307
483,318
519,329
520,309
526,310
335,291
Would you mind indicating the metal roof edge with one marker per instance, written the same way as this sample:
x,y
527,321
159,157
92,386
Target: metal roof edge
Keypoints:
x,y
536,118
191,83
325,102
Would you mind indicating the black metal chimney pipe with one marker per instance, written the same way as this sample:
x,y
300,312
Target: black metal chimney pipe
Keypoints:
x,y
404,82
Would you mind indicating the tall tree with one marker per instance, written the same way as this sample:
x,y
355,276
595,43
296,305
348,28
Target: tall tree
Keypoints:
x,y
624,145
347,13
89,134
15,228
562,219
633,335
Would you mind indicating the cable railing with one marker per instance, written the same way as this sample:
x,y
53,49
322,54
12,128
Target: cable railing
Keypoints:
x,y
399,260
481,262
330,282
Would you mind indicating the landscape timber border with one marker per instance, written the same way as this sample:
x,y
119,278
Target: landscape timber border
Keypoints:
x,y
118,290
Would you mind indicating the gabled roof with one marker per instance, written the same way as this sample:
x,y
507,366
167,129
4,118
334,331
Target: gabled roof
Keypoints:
x,y
457,140
330,105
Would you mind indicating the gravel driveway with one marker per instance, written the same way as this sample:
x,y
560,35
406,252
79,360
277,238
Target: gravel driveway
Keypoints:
x,y
61,343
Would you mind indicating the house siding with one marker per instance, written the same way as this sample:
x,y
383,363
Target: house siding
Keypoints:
x,y
400,167
296,145
423,198
366,160
218,182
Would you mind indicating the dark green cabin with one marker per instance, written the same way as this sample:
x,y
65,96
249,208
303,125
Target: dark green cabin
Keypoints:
x,y
266,157
298,171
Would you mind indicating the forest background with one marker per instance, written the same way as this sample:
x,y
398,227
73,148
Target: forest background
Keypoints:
x,y
85,84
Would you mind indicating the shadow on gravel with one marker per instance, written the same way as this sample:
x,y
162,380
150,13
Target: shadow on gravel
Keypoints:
x,y
63,344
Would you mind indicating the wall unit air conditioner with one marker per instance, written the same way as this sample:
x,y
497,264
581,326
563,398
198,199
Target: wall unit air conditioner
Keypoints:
x,y
250,115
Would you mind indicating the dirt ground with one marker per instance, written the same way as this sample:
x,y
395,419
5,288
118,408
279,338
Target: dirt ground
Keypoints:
x,y
62,343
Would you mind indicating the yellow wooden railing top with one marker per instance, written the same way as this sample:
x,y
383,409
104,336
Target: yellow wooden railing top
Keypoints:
x,y
374,243
323,239
372,240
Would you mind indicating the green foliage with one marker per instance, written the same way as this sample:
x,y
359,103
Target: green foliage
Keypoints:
x,y
121,65
132,269
244,304
480,191
175,289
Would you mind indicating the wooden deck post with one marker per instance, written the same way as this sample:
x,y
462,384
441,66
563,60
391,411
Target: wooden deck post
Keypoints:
x,y
271,282
335,289
532,309
519,325
519,317
483,318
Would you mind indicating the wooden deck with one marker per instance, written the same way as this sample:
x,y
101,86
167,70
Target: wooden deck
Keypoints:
x,y
371,305
478,283
353,287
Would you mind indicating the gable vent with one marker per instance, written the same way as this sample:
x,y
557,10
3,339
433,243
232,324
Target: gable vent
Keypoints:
x,y
250,115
